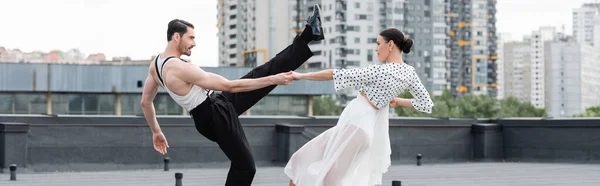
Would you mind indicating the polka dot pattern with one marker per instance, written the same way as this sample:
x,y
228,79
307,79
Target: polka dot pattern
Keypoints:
x,y
382,83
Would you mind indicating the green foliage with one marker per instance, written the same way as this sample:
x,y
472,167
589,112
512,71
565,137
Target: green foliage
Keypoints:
x,y
326,105
473,106
446,106
590,112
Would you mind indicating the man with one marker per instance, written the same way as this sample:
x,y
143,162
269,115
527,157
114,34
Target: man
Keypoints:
x,y
216,115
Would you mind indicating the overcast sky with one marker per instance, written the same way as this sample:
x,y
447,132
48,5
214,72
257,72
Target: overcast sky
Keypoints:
x,y
137,28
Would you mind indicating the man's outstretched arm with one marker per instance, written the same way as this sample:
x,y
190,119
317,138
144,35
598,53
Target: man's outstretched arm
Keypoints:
x,y
197,76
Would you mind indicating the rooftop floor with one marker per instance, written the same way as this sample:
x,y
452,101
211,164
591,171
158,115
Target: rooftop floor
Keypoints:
x,y
454,174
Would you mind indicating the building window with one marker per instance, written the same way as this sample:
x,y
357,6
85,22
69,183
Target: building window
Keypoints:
x,y
83,104
23,103
361,17
281,105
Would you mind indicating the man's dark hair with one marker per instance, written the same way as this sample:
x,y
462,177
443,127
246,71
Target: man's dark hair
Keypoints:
x,y
177,26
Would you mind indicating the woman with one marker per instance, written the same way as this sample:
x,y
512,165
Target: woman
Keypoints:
x,y
357,150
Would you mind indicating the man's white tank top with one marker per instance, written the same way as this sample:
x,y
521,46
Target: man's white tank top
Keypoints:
x,y
195,97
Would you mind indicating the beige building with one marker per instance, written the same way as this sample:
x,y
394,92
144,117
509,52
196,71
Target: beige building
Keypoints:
x,y
516,70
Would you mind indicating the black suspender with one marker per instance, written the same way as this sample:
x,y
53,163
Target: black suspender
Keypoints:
x,y
161,67
208,92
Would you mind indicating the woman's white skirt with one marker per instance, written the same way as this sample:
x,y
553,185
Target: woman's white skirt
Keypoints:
x,y
354,152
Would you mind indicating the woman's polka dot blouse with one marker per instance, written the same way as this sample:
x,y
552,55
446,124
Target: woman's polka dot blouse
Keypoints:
x,y
382,83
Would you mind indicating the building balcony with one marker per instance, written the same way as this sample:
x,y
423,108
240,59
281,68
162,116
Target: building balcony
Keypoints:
x,y
340,5
492,11
340,16
491,80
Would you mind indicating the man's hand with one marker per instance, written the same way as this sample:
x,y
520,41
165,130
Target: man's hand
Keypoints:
x,y
160,142
284,78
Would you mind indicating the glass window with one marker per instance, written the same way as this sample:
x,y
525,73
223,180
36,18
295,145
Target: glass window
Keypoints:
x,y
281,105
23,103
130,104
6,103
30,103
83,104
165,105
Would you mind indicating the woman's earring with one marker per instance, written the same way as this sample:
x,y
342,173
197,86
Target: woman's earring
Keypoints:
x,y
390,49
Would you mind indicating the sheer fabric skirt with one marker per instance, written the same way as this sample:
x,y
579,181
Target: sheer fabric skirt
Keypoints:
x,y
354,152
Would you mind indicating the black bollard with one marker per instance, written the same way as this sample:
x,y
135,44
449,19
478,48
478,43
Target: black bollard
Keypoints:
x,y
167,160
396,183
13,172
419,156
178,176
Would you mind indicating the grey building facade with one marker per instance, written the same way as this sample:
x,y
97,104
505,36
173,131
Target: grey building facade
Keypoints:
x,y
425,22
116,90
572,78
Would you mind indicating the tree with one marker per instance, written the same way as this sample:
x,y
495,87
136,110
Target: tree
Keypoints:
x,y
512,107
590,112
326,105
473,106
476,106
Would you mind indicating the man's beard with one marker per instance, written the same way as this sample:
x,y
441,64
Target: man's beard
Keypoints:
x,y
184,50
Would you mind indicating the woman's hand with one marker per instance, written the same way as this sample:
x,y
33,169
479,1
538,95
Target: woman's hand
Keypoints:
x,y
394,103
296,75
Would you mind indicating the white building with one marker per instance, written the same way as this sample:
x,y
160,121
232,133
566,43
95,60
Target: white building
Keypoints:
x,y
352,27
500,77
573,78
538,38
255,30
584,23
